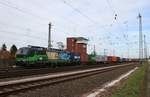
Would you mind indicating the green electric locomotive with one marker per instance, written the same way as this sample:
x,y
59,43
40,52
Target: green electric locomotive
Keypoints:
x,y
31,56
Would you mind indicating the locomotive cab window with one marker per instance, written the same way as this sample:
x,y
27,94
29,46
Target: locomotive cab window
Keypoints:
x,y
23,51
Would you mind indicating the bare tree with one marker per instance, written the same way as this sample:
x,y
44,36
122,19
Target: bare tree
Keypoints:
x,y
60,45
4,47
13,49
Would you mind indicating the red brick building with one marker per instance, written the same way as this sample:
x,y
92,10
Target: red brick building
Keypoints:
x,y
78,45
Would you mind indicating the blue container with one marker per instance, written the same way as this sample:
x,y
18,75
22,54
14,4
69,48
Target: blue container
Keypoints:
x,y
124,59
64,56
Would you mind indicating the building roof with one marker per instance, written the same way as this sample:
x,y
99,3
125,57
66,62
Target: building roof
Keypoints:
x,y
79,38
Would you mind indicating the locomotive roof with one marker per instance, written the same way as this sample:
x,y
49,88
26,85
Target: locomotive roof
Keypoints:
x,y
79,38
55,50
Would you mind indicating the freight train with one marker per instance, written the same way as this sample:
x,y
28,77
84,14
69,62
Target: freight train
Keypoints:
x,y
40,56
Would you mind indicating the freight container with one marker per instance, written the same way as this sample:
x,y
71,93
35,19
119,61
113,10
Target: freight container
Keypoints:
x,y
114,58
135,60
121,60
127,59
91,57
101,59
118,59
109,59
124,59
130,60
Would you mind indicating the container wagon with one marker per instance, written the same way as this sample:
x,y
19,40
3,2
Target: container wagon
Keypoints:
x,y
101,59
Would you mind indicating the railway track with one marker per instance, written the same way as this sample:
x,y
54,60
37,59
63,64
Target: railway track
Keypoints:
x,y
19,72
16,86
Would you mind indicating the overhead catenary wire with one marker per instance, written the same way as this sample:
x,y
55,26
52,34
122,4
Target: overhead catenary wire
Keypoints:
x,y
27,35
8,4
44,7
23,34
111,7
114,40
21,39
19,27
77,10
39,20
81,13
115,16
87,17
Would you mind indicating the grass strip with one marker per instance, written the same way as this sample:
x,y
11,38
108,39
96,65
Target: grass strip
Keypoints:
x,y
133,87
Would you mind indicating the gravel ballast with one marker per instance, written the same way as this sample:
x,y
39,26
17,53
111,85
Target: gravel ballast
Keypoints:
x,y
20,73
75,88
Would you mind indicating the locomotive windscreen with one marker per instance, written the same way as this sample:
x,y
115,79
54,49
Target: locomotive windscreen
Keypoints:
x,y
23,51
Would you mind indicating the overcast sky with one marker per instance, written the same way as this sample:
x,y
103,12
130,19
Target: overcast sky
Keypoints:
x,y
25,22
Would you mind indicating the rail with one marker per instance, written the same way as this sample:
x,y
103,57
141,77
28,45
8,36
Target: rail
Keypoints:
x,y
14,86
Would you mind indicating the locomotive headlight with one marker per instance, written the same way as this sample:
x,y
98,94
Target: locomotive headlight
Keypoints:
x,y
40,58
22,60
